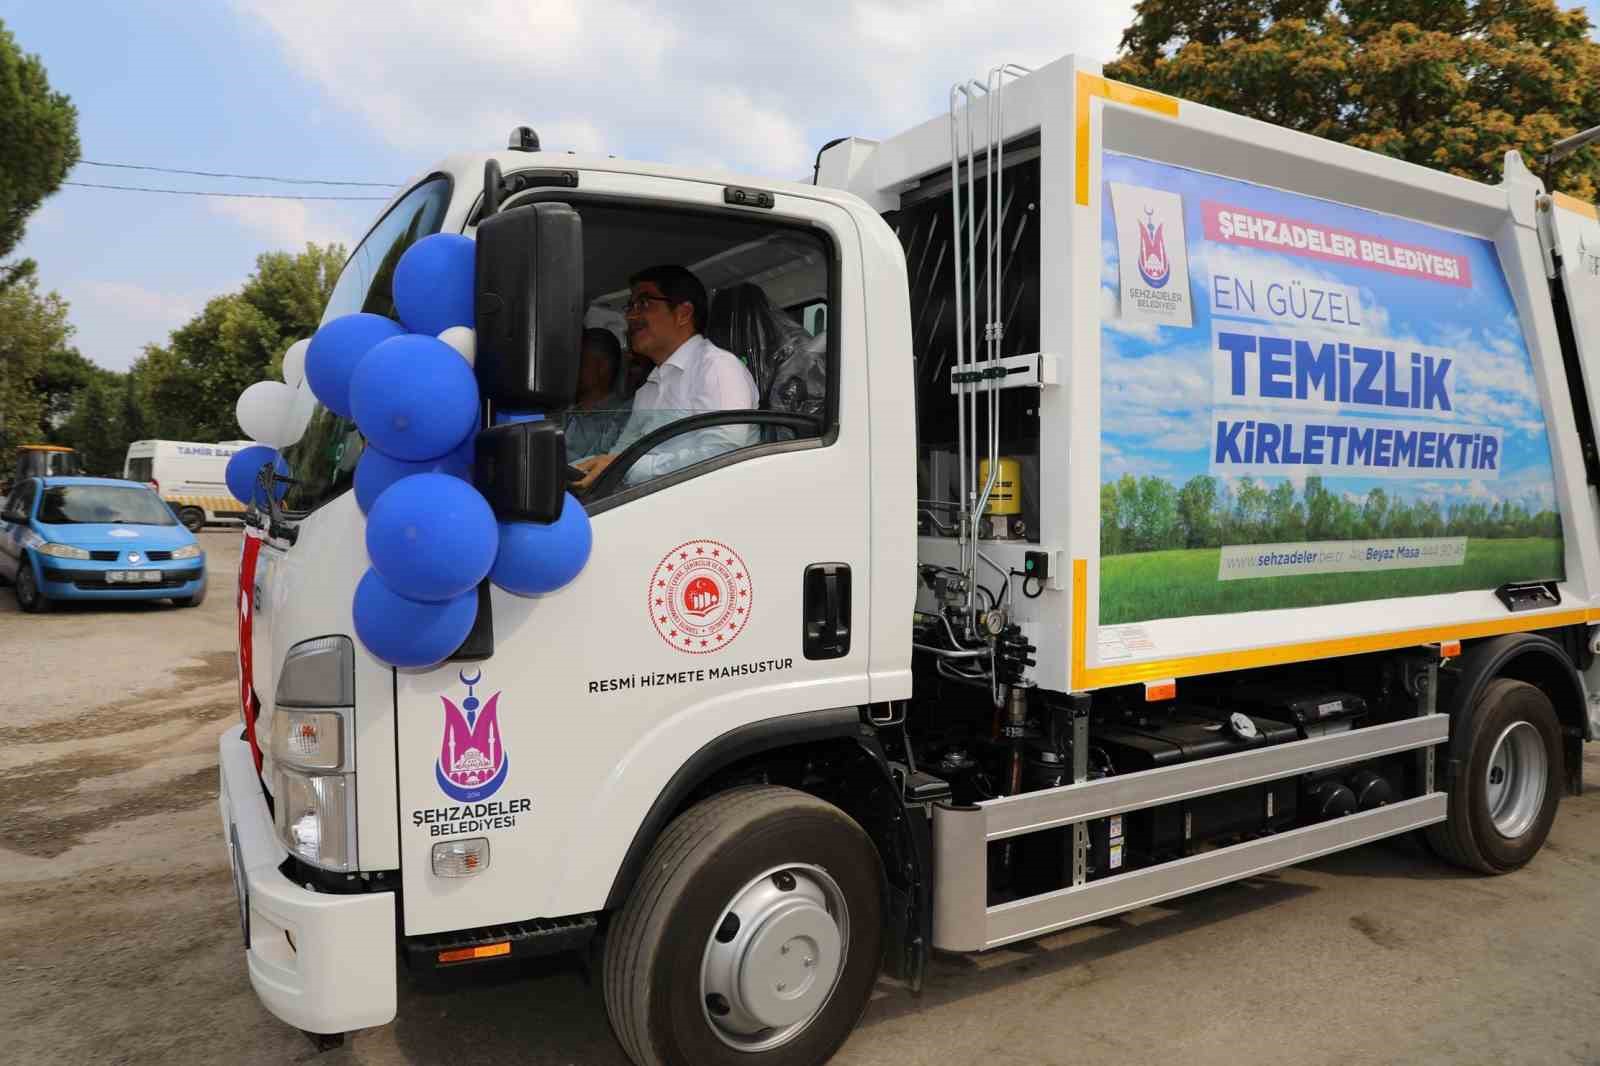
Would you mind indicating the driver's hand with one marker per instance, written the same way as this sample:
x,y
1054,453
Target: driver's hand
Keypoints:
x,y
592,468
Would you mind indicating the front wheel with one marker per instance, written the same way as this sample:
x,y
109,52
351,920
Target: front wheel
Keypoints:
x,y
752,938
29,598
193,518
1504,801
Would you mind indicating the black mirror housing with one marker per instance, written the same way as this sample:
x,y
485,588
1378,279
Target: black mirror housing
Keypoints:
x,y
530,304
521,469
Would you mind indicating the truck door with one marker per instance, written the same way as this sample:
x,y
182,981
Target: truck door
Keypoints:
x,y
726,583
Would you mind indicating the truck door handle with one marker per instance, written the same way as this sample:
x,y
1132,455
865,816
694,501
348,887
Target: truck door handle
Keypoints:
x,y
826,610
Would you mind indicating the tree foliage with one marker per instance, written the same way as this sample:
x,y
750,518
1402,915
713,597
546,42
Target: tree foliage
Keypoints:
x,y
1447,84
34,335
39,132
187,388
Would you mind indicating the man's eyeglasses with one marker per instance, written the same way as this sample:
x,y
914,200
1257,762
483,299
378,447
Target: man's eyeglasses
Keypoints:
x,y
641,303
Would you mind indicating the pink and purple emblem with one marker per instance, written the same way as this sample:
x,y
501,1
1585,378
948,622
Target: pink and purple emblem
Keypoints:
x,y
472,761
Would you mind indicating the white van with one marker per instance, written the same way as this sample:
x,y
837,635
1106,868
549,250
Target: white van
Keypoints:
x,y
191,476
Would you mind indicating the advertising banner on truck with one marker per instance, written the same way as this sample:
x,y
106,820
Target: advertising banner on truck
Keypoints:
x,y
1306,403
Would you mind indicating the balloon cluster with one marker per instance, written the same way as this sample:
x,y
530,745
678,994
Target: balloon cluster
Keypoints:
x,y
431,536
275,414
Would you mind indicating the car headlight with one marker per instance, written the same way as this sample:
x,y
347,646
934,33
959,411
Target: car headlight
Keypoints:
x,y
314,818
62,551
188,551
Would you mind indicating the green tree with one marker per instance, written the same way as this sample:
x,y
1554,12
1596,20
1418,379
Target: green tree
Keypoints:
x,y
1448,84
190,385
1157,512
33,333
95,429
1196,502
1374,513
39,131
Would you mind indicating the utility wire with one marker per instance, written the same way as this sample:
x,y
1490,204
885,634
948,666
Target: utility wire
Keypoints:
x,y
229,195
245,177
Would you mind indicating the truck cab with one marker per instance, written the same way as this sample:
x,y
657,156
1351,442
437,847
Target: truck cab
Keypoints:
x,y
975,625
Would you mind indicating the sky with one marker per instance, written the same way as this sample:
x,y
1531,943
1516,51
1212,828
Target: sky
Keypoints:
x,y
1168,386
378,91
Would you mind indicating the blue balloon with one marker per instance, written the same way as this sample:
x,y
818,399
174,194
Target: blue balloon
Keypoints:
x,y
414,397
377,471
245,465
433,283
335,350
536,558
431,537
406,633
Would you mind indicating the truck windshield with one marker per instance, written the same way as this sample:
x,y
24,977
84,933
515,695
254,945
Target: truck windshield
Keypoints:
x,y
66,505
324,460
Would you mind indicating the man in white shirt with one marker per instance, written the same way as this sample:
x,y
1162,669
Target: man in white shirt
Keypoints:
x,y
666,313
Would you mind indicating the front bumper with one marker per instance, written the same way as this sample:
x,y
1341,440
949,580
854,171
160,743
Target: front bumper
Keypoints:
x,y
324,963
70,579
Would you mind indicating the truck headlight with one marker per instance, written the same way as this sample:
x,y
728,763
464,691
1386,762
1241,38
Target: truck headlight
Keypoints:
x,y
188,551
314,818
308,740
62,551
313,755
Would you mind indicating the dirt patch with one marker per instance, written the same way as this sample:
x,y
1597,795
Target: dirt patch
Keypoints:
x,y
135,713
29,824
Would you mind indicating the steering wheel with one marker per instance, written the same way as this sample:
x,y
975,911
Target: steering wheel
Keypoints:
x,y
611,478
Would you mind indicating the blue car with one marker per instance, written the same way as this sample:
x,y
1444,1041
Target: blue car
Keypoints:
x,y
93,538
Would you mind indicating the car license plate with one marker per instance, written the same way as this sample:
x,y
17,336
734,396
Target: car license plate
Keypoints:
x,y
133,577
241,888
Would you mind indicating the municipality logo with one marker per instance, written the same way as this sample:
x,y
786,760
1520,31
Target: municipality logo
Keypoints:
x,y
472,762
1154,266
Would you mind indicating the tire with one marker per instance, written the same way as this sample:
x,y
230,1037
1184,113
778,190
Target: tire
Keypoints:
x,y
1504,802
29,598
192,601
759,849
193,518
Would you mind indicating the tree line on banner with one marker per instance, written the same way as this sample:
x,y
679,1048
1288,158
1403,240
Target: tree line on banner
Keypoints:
x,y
1142,514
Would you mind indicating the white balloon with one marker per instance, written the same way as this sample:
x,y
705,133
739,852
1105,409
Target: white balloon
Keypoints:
x,y
299,416
463,339
294,363
263,410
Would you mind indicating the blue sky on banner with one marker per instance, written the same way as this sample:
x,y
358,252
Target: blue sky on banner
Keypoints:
x,y
1158,392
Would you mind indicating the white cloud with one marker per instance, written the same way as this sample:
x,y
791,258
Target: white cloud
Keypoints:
x,y
116,319
757,87
290,224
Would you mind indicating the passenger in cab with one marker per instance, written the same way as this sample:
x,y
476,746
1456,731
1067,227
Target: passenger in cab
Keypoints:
x,y
666,313
598,413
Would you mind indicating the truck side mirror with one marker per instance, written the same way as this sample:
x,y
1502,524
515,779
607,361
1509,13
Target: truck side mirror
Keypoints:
x,y
530,303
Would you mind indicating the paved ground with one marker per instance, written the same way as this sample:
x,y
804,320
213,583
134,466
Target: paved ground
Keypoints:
x,y
119,934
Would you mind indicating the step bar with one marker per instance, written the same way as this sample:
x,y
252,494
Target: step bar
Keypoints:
x,y
963,921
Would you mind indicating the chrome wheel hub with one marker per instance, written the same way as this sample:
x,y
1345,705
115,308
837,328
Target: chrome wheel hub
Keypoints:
x,y
774,957
1515,780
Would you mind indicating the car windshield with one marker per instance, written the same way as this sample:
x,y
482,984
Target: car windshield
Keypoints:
x,y
65,505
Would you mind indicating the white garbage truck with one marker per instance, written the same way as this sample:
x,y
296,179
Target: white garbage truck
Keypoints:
x,y
1139,498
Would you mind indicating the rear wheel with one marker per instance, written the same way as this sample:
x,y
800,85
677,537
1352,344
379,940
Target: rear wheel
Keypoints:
x,y
29,598
193,518
1504,802
753,937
